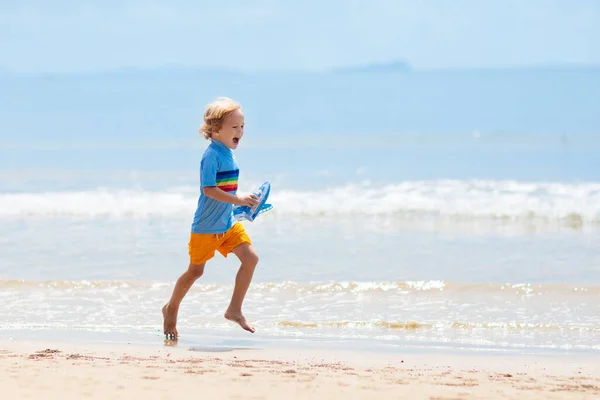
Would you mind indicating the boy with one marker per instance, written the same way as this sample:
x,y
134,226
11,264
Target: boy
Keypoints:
x,y
214,227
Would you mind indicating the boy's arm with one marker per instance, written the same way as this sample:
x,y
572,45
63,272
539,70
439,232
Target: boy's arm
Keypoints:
x,y
214,192
208,178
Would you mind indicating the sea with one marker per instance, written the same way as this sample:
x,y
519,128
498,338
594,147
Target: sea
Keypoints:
x,y
467,241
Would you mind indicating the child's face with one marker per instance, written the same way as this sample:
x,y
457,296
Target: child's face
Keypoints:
x,y
232,130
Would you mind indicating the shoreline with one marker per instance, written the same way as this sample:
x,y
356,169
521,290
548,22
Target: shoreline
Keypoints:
x,y
83,370
236,339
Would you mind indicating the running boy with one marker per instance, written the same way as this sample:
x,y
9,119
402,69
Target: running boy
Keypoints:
x,y
214,227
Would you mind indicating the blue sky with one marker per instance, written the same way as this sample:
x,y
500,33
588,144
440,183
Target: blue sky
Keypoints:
x,y
267,35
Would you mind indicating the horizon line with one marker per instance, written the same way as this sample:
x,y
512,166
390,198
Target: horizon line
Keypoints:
x,y
377,68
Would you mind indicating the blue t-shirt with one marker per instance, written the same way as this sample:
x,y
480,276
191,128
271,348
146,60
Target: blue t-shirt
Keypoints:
x,y
217,168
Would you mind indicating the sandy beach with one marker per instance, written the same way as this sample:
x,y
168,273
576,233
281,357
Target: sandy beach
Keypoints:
x,y
74,371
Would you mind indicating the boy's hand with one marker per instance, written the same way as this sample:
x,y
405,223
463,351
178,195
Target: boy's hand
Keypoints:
x,y
250,200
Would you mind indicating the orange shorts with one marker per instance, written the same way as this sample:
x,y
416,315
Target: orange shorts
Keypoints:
x,y
202,246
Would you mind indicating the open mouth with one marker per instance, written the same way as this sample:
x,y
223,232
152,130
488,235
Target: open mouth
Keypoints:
x,y
236,140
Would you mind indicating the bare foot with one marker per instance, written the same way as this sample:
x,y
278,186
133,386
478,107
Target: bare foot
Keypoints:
x,y
239,319
169,323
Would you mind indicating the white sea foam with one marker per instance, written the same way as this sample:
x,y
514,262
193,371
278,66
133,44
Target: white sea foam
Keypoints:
x,y
510,200
396,312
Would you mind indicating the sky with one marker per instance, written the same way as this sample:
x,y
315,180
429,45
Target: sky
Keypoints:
x,y
279,35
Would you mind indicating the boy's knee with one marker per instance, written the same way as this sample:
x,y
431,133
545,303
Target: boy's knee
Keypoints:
x,y
196,270
251,260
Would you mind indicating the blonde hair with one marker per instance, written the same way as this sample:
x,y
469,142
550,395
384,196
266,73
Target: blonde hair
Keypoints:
x,y
215,113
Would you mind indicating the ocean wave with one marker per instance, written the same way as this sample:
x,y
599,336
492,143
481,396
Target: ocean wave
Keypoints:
x,y
357,288
355,326
571,203
455,325
422,313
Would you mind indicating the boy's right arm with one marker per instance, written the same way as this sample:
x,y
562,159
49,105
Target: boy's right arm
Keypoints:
x,y
250,200
208,174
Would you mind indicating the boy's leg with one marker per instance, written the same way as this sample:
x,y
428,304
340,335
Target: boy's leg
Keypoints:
x,y
249,259
170,310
